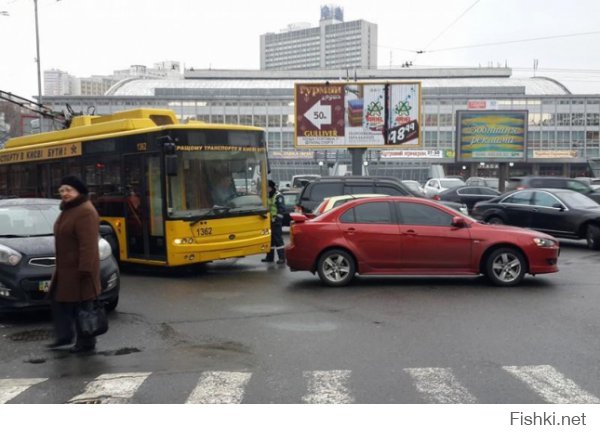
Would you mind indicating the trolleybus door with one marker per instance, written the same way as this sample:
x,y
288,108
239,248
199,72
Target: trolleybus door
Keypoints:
x,y
143,207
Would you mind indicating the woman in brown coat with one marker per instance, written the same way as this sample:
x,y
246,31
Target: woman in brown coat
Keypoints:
x,y
76,281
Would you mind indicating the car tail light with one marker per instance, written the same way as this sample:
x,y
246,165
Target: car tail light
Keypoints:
x,y
520,187
437,197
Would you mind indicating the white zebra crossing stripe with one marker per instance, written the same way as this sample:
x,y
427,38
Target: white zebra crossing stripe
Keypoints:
x,y
553,386
438,385
112,388
219,387
328,387
9,388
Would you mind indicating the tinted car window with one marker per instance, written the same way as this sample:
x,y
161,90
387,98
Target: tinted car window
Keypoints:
x,y
422,215
348,216
375,212
358,189
542,198
389,190
320,191
521,198
488,191
577,186
576,200
468,190
547,183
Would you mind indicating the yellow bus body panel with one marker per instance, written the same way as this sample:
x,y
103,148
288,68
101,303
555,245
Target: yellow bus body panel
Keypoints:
x,y
211,240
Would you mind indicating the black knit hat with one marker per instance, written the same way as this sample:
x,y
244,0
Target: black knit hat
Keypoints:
x,y
75,182
272,184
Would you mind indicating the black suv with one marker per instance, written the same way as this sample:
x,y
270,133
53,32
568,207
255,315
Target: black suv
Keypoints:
x,y
522,182
313,194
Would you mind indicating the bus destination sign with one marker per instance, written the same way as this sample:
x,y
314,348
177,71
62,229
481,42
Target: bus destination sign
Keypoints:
x,y
45,153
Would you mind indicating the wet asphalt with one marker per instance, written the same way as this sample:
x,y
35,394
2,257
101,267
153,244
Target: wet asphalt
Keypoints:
x,y
245,316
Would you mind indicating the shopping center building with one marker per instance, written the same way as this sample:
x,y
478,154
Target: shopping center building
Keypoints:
x,y
562,136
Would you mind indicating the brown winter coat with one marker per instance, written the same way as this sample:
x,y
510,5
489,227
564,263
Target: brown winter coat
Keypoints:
x,y
76,232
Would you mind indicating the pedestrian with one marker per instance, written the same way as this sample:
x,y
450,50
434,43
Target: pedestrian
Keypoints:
x,y
276,209
76,280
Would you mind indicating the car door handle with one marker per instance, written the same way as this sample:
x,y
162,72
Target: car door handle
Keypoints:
x,y
409,232
350,231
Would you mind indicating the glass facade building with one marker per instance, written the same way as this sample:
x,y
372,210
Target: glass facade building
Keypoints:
x,y
563,128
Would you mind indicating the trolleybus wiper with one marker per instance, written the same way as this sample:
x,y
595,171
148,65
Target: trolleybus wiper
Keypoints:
x,y
213,211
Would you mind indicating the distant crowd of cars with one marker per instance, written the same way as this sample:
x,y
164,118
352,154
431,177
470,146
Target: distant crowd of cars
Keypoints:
x,y
381,225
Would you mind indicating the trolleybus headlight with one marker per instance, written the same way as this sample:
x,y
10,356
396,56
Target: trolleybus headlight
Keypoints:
x,y
9,256
178,241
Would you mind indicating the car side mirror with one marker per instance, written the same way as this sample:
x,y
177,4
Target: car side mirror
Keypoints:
x,y
459,222
559,206
298,218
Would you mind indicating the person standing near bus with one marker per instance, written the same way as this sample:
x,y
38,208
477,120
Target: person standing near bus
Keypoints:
x,y
76,279
277,210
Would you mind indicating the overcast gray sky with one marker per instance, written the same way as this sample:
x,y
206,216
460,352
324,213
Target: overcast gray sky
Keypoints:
x,y
85,37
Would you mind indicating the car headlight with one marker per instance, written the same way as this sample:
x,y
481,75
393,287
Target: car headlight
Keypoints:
x,y
9,256
544,242
104,249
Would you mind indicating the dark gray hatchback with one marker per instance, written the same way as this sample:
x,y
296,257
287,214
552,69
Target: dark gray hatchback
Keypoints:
x,y
27,258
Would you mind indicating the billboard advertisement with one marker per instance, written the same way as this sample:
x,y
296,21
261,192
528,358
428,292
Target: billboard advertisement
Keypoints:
x,y
491,135
360,115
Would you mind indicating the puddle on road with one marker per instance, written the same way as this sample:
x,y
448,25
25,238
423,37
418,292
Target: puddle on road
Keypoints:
x,y
31,335
58,354
123,351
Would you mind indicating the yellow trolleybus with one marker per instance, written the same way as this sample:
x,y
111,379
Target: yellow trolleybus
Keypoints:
x,y
169,194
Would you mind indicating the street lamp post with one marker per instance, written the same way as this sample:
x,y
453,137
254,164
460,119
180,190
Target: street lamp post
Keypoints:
x,y
37,59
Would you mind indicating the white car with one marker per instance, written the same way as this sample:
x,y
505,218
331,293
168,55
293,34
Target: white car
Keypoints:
x,y
414,186
436,185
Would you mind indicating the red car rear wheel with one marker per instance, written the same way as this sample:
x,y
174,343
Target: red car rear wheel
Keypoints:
x,y
336,267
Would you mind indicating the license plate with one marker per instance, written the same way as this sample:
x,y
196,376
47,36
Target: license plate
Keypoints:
x,y
44,286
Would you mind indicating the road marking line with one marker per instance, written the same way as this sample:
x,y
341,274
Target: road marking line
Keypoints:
x,y
111,388
10,388
328,387
553,386
220,387
439,385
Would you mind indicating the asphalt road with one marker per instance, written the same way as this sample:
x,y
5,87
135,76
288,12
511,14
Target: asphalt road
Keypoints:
x,y
244,331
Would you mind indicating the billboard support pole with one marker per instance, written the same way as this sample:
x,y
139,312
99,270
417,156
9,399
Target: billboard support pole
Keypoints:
x,y
502,176
357,160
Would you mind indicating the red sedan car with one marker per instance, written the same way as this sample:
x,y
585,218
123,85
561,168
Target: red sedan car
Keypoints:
x,y
414,236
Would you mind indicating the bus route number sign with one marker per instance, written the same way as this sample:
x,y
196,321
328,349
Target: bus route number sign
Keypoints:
x,y
203,232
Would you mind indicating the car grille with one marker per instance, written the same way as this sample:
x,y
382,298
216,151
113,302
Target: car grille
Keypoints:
x,y
43,262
